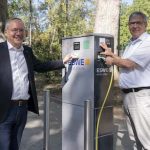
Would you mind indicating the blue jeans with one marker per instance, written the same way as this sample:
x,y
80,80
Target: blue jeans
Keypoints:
x,y
12,128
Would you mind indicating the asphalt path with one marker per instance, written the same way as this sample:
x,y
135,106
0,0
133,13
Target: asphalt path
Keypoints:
x,y
33,133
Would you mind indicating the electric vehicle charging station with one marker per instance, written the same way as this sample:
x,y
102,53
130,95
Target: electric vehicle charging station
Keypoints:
x,y
87,78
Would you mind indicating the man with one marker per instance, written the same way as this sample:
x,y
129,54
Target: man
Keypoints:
x,y
17,85
135,80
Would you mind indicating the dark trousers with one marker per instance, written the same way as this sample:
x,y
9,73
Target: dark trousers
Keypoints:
x,y
12,128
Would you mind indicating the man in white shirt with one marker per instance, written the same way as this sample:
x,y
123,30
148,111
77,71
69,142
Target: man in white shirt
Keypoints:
x,y
17,85
135,80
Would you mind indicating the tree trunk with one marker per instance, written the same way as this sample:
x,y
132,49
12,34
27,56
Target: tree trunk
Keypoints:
x,y
3,17
107,22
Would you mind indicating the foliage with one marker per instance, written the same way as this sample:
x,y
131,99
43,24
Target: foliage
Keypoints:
x,y
52,20
21,10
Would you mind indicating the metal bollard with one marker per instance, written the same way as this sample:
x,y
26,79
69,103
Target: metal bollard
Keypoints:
x,y
88,125
46,118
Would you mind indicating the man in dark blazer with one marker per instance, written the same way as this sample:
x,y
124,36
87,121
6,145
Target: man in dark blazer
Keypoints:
x,y
17,85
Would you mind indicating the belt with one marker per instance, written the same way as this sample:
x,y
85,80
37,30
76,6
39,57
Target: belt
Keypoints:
x,y
134,89
19,102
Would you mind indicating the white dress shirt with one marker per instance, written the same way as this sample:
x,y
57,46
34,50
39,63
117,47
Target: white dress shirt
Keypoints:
x,y
19,73
139,52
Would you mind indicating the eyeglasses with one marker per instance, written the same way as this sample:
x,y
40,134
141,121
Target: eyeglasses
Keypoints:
x,y
15,30
138,23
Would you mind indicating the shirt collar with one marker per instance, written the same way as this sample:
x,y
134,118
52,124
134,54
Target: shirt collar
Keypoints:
x,y
141,38
12,48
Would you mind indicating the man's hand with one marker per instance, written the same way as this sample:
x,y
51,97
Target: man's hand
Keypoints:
x,y
112,59
69,57
108,51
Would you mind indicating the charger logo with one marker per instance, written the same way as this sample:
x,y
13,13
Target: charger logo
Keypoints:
x,y
80,62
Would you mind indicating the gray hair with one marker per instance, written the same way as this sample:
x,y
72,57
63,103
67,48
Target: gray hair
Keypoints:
x,y
138,13
10,20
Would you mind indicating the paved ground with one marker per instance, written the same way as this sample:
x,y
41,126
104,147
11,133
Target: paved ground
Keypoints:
x,y
33,134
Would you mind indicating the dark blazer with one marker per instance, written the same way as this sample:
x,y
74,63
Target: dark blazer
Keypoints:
x,y
6,84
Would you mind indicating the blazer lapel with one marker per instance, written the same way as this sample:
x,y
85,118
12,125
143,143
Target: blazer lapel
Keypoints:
x,y
5,59
5,67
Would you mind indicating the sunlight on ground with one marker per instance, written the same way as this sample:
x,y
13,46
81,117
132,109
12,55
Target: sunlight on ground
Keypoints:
x,y
34,124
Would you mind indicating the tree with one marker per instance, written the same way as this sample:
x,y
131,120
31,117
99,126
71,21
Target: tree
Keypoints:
x,y
107,22
52,20
3,17
59,21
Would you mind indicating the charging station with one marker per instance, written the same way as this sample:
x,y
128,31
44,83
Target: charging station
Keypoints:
x,y
87,78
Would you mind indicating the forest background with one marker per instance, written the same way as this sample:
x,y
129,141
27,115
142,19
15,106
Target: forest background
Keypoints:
x,y
47,21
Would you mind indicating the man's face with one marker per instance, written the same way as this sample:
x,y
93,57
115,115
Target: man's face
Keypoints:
x,y
137,26
15,33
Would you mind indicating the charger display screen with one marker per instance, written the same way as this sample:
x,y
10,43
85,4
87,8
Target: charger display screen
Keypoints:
x,y
76,45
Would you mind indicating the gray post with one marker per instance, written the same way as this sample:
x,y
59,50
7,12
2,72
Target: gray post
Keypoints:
x,y
46,118
30,24
88,125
